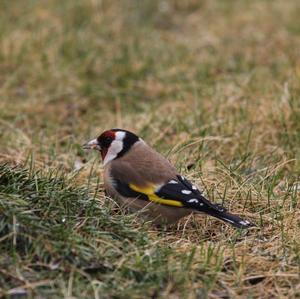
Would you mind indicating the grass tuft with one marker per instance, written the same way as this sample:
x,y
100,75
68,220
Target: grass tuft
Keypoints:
x,y
53,230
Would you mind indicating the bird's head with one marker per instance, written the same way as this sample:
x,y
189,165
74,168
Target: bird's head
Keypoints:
x,y
112,144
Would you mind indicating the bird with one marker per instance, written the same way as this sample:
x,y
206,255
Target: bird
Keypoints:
x,y
141,179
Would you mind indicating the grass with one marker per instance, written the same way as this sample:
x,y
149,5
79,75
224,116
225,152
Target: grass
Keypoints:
x,y
214,85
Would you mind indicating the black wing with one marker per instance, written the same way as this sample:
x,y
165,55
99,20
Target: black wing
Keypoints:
x,y
180,192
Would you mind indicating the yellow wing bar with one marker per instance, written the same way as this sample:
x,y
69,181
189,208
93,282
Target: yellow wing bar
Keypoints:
x,y
150,192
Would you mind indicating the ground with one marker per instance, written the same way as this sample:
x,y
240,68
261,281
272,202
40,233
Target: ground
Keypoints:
x,y
213,85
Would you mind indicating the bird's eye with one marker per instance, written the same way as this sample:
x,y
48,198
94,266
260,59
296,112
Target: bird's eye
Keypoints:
x,y
107,141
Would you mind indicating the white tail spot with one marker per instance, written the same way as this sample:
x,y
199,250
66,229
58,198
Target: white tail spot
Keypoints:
x,y
173,182
186,191
246,222
195,200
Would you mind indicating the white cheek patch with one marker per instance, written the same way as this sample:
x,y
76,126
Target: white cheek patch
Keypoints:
x,y
115,148
120,136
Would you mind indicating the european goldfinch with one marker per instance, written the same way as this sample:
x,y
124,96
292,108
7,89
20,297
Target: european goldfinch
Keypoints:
x,y
140,178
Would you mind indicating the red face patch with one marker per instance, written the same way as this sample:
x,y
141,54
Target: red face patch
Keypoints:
x,y
111,134
105,140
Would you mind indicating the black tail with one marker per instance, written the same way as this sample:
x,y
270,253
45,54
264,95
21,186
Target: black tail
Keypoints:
x,y
195,200
234,220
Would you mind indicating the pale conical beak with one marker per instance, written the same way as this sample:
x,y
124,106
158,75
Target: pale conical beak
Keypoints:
x,y
93,144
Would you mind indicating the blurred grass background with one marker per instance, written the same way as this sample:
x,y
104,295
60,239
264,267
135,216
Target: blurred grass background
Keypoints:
x,y
214,85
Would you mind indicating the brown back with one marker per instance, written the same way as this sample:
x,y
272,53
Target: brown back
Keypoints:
x,y
142,165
